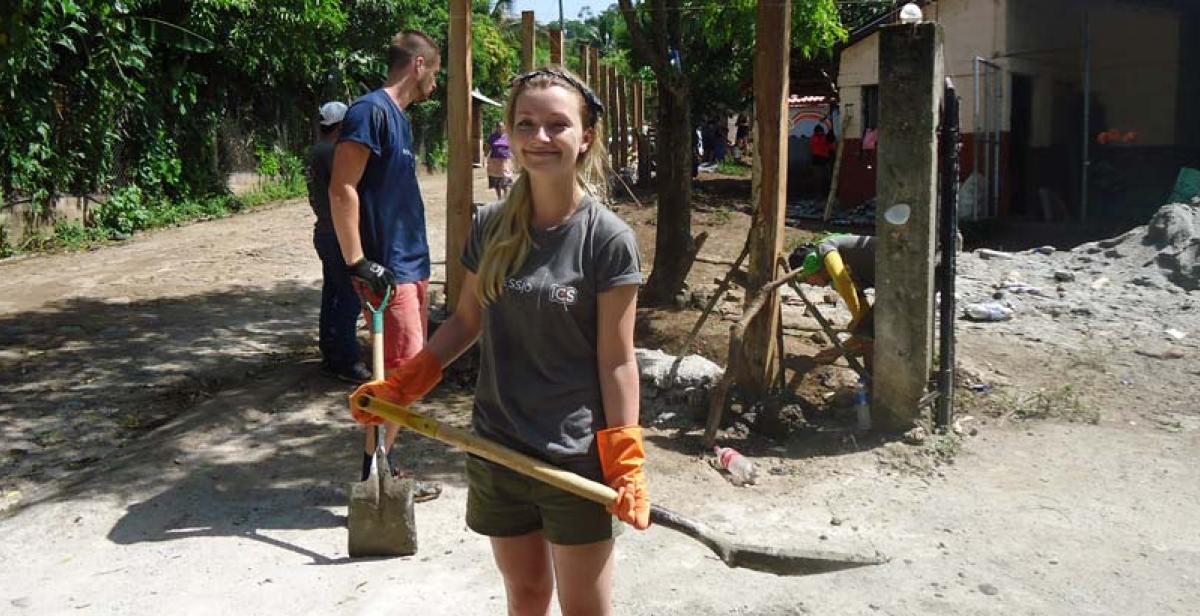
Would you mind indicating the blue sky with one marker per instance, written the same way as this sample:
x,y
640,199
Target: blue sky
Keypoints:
x,y
547,10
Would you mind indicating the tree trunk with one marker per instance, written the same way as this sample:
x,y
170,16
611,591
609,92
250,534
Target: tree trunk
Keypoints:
x,y
675,249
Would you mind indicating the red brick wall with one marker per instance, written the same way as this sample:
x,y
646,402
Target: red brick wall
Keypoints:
x,y
857,178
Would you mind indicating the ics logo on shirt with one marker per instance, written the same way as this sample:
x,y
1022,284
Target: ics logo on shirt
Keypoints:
x,y
563,294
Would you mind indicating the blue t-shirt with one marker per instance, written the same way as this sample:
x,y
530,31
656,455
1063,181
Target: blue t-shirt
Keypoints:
x,y
391,214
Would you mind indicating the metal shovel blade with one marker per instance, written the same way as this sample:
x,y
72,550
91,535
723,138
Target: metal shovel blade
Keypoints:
x,y
381,516
779,561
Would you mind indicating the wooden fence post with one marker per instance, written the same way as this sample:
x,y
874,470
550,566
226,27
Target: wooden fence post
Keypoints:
x,y
771,54
527,41
459,193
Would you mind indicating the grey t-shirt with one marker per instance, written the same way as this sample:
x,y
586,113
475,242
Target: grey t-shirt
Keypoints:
x,y
539,389
320,167
858,253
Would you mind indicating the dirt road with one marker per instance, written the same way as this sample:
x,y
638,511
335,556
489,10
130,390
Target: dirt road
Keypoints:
x,y
171,448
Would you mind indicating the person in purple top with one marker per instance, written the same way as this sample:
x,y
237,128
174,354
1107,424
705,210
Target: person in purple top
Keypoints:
x,y
499,162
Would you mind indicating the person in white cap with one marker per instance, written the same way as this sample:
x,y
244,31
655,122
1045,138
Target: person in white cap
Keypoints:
x,y
340,353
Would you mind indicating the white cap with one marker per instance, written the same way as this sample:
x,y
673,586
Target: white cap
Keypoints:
x,y
332,113
910,13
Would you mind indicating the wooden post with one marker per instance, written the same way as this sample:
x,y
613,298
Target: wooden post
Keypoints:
x,y
771,51
910,95
643,140
556,46
458,130
623,121
638,118
585,64
594,63
476,133
527,41
614,110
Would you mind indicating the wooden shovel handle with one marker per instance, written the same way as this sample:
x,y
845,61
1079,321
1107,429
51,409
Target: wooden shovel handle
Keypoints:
x,y
489,450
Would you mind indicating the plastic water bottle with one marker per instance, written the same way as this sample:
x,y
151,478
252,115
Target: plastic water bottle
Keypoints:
x,y
740,468
862,410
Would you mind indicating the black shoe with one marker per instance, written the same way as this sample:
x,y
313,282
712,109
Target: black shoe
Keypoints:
x,y
366,466
358,373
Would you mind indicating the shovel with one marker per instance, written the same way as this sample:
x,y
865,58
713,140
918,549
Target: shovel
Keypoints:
x,y
780,561
381,508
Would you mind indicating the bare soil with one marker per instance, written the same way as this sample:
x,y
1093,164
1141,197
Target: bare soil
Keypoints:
x,y
169,446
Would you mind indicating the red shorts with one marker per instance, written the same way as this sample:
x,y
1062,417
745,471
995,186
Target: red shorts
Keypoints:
x,y
405,320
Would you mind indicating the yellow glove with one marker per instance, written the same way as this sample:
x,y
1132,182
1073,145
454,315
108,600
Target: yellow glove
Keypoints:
x,y
839,277
406,384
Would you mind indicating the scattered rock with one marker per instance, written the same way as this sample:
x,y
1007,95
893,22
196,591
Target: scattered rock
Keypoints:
x,y
1045,250
988,589
1064,276
1168,354
835,521
916,436
987,253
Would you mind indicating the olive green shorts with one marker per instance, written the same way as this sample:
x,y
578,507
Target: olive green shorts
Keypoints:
x,y
504,503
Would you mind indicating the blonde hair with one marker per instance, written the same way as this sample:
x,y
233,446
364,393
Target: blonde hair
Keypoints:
x,y
506,239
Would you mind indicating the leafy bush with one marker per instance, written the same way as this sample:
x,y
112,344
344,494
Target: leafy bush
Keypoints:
x,y
275,163
73,234
124,212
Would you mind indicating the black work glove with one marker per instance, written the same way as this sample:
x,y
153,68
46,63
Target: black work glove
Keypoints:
x,y
377,277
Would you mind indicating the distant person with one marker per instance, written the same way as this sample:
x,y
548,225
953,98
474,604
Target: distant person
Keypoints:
x,y
378,212
720,141
743,136
822,148
847,263
499,161
337,339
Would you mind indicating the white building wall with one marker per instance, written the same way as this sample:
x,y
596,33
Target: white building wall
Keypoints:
x,y
972,28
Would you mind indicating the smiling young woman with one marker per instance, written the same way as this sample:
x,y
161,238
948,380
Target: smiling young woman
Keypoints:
x,y
551,294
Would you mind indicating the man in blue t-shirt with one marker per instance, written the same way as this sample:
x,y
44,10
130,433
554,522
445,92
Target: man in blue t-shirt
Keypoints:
x,y
377,208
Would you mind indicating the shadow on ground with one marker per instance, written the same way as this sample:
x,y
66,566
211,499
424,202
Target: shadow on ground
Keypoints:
x,y
85,374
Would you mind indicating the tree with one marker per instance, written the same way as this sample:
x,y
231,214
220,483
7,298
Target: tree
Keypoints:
x,y
99,95
709,42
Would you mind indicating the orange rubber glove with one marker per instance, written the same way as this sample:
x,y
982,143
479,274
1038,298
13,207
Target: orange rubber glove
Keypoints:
x,y
406,384
621,459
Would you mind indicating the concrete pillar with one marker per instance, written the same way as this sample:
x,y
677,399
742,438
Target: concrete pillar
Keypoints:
x,y
910,95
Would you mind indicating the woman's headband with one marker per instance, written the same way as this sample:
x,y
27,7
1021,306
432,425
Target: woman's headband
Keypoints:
x,y
595,107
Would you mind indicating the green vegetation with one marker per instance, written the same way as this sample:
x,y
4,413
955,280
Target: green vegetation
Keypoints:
x,y
130,209
135,101
730,167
